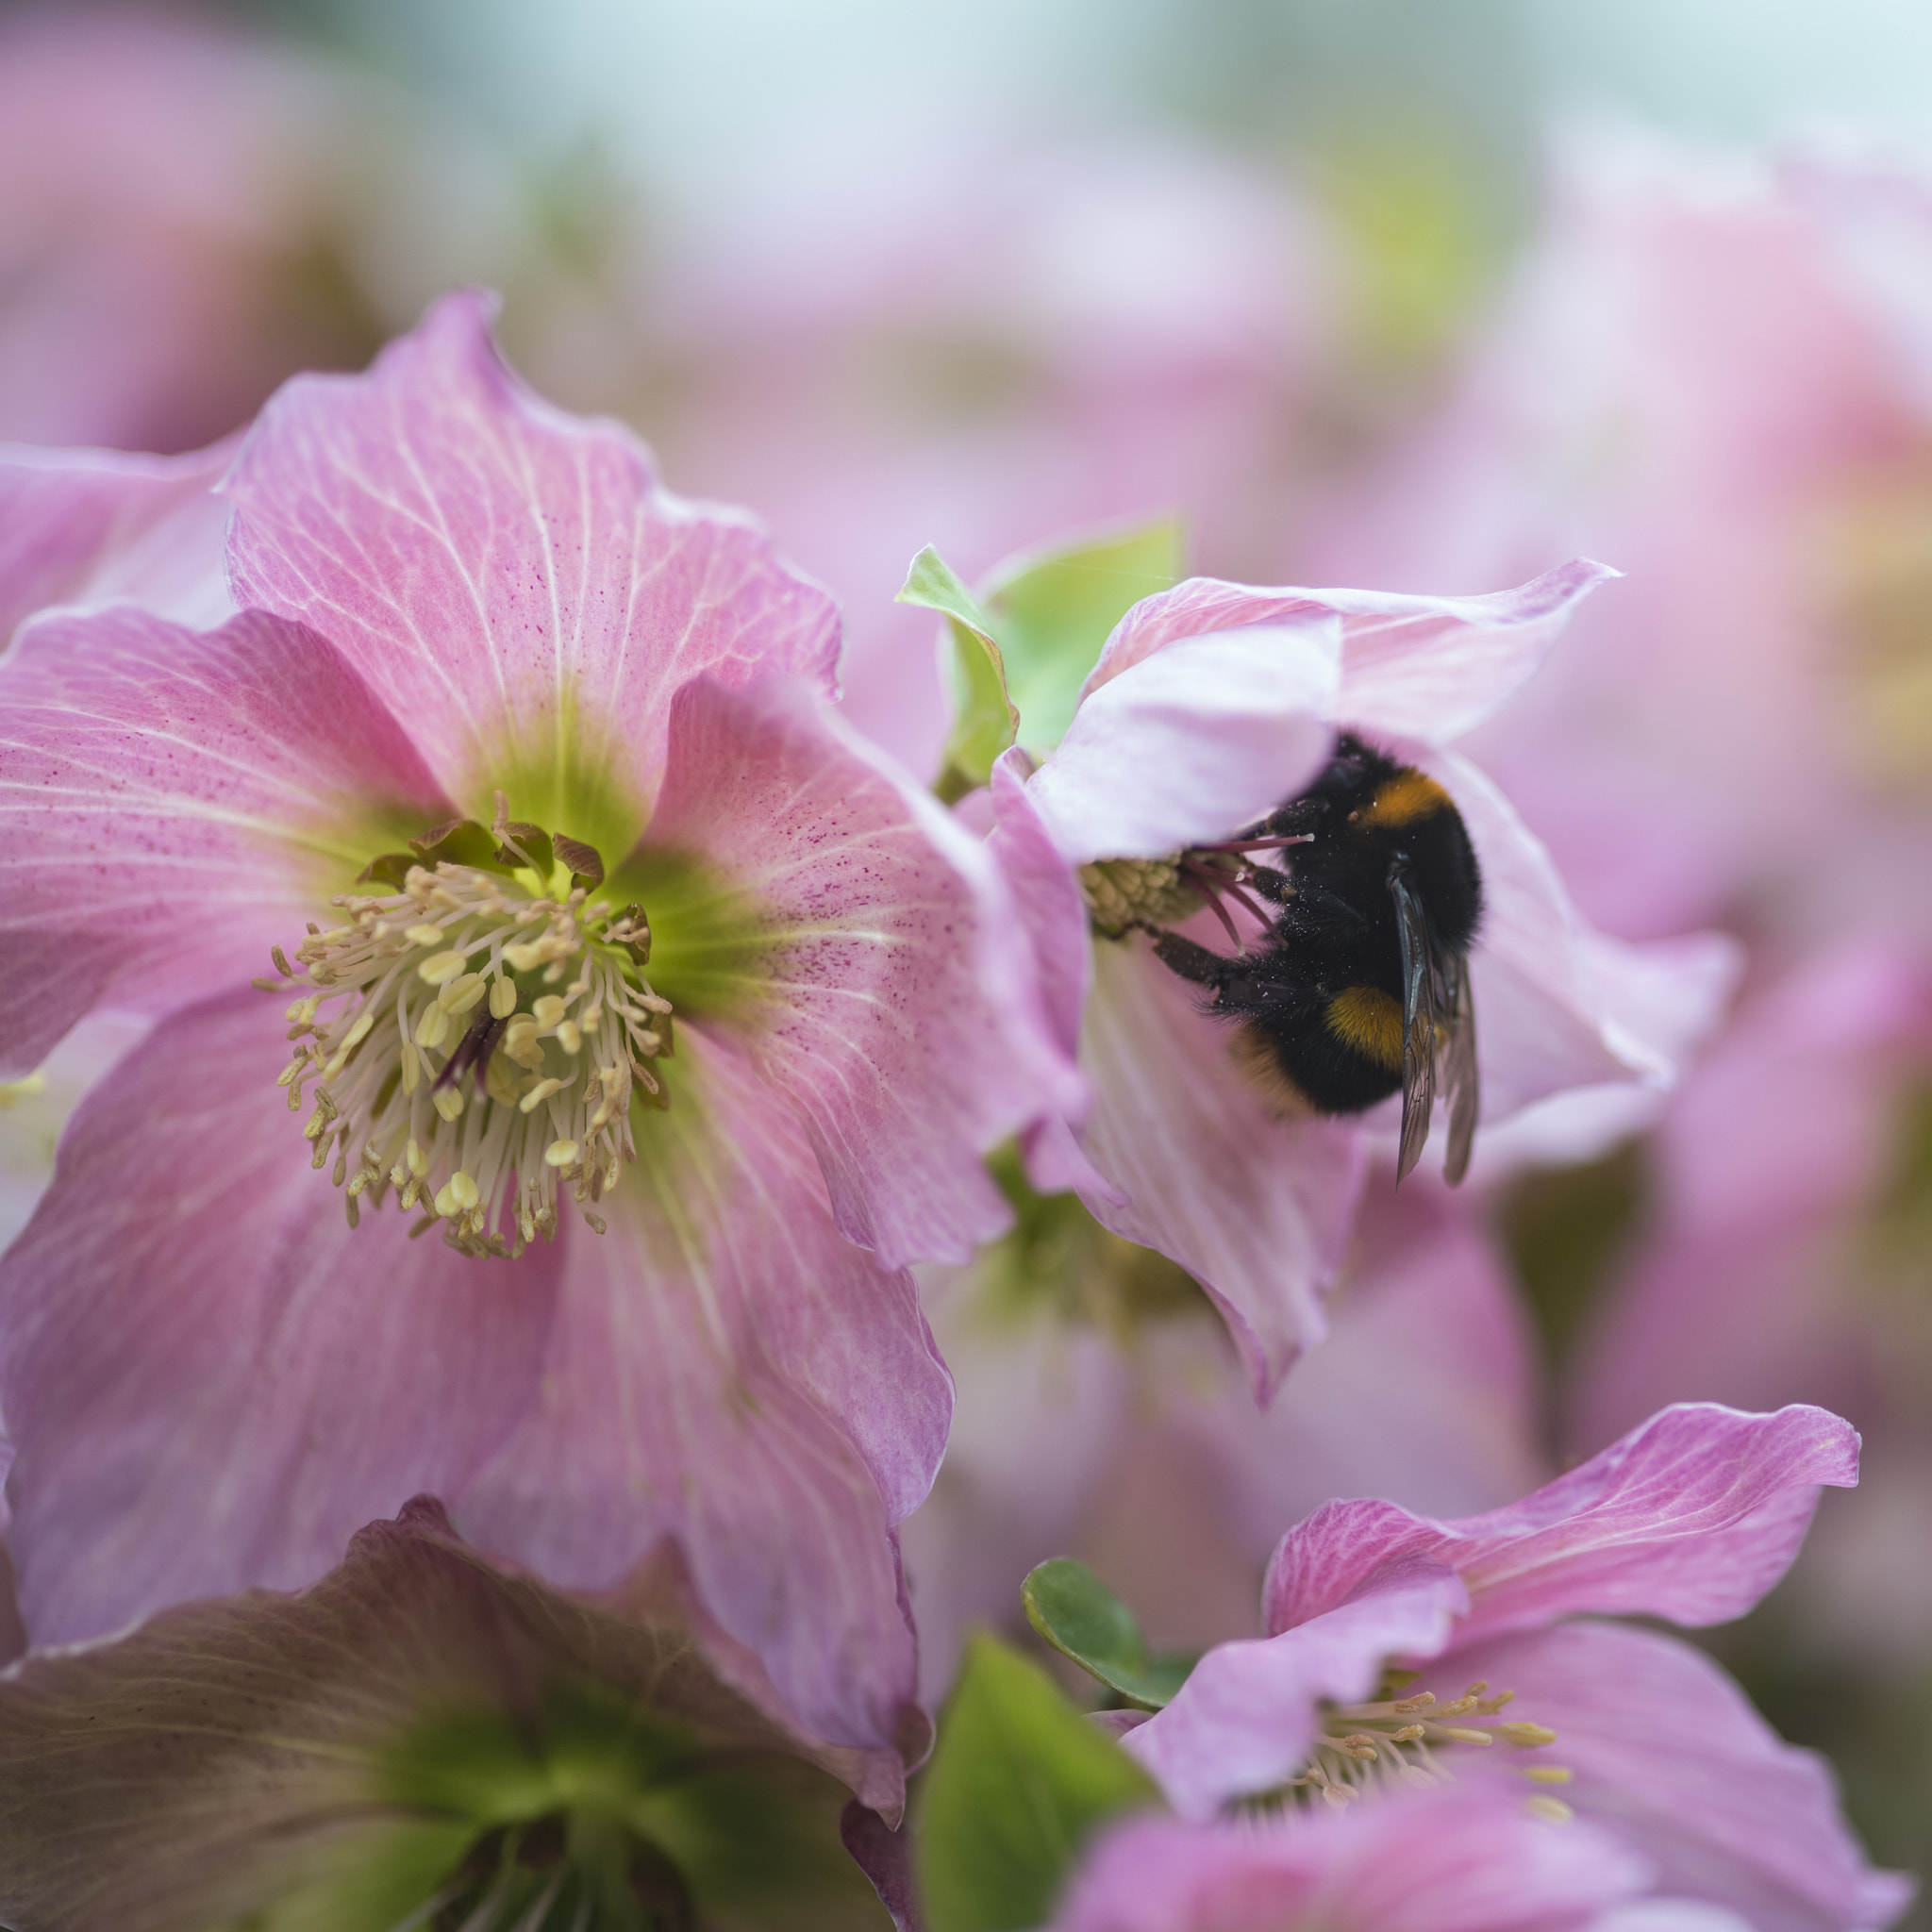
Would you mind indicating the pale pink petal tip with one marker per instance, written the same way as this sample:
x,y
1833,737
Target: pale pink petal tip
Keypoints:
x,y
501,571
1693,1517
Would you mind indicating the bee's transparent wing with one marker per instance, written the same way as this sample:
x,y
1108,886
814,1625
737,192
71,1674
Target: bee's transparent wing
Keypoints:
x,y
1421,990
1458,1067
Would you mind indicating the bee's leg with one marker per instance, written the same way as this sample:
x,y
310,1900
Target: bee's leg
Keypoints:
x,y
1297,815
1265,881
1182,956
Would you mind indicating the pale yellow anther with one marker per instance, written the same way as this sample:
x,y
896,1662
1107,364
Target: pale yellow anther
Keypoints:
x,y
412,1067
499,1082
448,1102
433,1028
1538,1805
424,935
502,998
365,1024
526,954
1408,1733
416,1160
1526,1735
439,968
1463,1737
559,1154
537,1095
548,1011
463,1189
1421,1701
1549,1774
569,1037
460,994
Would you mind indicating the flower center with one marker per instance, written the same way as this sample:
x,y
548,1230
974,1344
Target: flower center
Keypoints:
x,y
471,1045
1391,1741
1125,895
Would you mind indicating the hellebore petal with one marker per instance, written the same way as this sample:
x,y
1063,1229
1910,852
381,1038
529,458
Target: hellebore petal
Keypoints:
x,y
1258,1209
1421,667
1666,1750
335,1755
202,1399
1694,1517
725,1370
1247,1714
1560,1007
512,580
87,527
1192,743
892,1004
1451,1861
175,803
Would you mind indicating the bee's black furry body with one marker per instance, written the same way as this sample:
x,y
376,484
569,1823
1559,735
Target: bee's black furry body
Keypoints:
x,y
1322,994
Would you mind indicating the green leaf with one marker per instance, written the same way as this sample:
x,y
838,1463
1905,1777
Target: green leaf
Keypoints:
x,y
1019,1781
1055,608
1082,1619
985,721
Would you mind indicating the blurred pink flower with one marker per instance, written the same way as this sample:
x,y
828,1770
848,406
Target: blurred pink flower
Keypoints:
x,y
1131,1439
973,347
1448,1862
163,226
1764,1270
1690,1517
1210,705
1714,372
454,596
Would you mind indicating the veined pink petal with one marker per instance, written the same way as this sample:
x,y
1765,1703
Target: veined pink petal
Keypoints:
x,y
1258,1209
209,1381
511,579
1667,1751
727,1371
94,526
1692,1517
1447,1862
172,802
1046,895
897,1010
1246,1716
1424,667
1192,743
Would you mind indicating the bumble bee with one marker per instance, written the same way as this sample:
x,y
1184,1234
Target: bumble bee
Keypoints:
x,y
1363,979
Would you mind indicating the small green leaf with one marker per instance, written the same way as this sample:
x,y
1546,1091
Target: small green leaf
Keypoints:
x,y
1019,1781
985,721
1082,1619
1054,611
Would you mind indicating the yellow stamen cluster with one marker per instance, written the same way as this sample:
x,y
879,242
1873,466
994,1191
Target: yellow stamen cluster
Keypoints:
x,y
1405,1740
474,1046
1122,894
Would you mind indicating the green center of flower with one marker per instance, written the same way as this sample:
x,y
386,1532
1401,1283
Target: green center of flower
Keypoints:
x,y
471,1044
1393,1740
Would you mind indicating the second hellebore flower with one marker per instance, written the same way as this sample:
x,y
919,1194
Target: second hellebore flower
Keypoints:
x,y
1212,705
1395,1642
516,769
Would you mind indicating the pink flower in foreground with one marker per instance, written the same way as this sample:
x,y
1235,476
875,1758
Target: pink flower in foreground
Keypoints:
x,y
1395,1641
1211,704
649,1311
1448,1862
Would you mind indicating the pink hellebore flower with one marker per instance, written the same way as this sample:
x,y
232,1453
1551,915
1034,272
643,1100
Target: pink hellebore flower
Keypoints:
x,y
1211,704
1445,1862
1386,1631
651,1313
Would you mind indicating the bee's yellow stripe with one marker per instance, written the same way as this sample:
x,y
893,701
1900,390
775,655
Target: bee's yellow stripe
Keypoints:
x,y
1368,1019
1406,797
